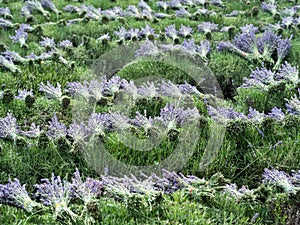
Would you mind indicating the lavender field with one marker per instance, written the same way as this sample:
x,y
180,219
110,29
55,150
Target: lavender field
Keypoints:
x,y
149,112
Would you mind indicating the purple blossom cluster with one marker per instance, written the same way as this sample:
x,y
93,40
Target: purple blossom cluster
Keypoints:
x,y
263,78
293,105
261,49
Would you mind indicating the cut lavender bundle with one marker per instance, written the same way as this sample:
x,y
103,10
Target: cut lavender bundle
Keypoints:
x,y
48,4
171,32
8,64
269,7
163,5
276,114
283,48
98,124
26,12
255,116
20,37
182,13
47,42
288,72
207,28
14,193
148,48
55,193
260,78
34,5
121,34
175,4
279,179
14,57
147,32
56,129
232,191
33,132
293,105
22,94
144,6
8,127
5,12
222,114
185,31
6,23
50,90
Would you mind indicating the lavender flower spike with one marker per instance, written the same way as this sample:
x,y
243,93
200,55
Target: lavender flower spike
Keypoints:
x,y
50,90
47,42
20,37
56,129
283,48
277,114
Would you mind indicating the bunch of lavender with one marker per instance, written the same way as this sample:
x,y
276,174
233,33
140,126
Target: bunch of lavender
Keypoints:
x,y
104,39
270,8
163,5
5,12
56,129
14,193
185,31
232,191
202,50
22,94
33,5
9,128
15,57
182,13
260,78
175,4
255,116
48,4
276,114
288,73
222,114
147,32
20,37
293,105
6,23
278,178
121,34
93,13
99,124
47,42
283,48
27,13
148,48
50,90
172,33
207,28
33,132
55,193
8,64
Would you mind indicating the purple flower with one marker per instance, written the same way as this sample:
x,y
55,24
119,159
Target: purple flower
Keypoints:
x,y
278,178
175,4
234,192
34,131
71,8
142,121
47,42
5,12
249,29
171,32
66,44
169,89
148,48
55,193
122,34
8,127
99,123
14,57
182,13
185,31
5,23
132,34
220,113
207,27
293,105
234,13
25,11
78,132
267,44
188,89
20,37
48,4
22,94
56,129
287,22
86,191
50,90
287,72
16,194
283,48
269,7
259,78
8,64
147,32
255,116
148,90
36,6
203,49
144,6
276,113
163,5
